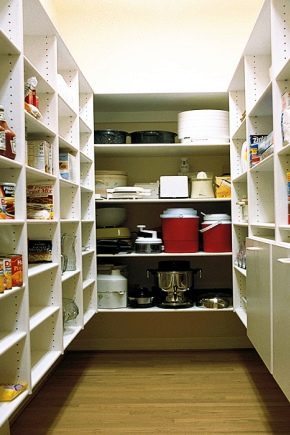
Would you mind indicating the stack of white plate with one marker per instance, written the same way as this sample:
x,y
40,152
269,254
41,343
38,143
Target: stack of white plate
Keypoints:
x,y
208,126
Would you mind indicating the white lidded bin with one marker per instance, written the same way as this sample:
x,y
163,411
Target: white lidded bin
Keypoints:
x,y
112,290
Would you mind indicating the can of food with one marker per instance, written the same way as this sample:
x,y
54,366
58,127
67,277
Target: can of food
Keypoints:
x,y
7,200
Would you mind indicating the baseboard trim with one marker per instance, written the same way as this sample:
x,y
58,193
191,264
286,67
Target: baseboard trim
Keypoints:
x,y
162,343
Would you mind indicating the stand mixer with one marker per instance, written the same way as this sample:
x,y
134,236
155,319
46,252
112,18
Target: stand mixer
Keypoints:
x,y
175,282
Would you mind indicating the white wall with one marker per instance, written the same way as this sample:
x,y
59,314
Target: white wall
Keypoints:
x,y
126,46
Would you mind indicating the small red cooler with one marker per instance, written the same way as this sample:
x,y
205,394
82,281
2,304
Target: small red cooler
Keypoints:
x,y
217,233
180,230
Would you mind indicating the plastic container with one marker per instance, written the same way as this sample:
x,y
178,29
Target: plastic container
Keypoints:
x,y
180,230
108,180
153,137
112,290
217,233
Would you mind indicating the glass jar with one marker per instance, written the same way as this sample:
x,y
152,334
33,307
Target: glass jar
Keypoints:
x,y
68,254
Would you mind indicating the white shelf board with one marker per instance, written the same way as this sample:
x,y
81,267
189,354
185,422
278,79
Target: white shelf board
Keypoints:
x,y
241,224
160,200
284,227
40,314
88,282
6,45
69,274
84,158
285,72
241,313
241,270
84,127
41,362
160,150
65,108
12,222
67,184
37,127
11,292
41,221
87,189
166,254
9,163
7,409
270,225
64,144
88,315
242,178
285,151
69,221
9,339
163,310
69,334
36,269
265,165
34,174
30,70
240,132
263,107
88,252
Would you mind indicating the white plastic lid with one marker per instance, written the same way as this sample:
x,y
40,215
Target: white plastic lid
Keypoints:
x,y
179,212
217,217
148,240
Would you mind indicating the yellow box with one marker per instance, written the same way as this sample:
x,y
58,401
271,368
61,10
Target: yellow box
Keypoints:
x,y
223,186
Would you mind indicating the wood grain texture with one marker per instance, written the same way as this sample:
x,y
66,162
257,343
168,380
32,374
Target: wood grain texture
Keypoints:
x,y
177,392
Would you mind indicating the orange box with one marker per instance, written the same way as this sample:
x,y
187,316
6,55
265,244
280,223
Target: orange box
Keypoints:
x,y
16,270
7,275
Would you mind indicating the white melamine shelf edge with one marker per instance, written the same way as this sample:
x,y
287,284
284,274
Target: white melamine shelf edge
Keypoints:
x,y
63,143
241,313
41,221
11,222
84,158
9,339
160,200
241,224
88,282
88,315
263,224
39,314
37,126
6,45
163,310
30,70
69,274
34,174
265,165
284,151
240,132
88,252
87,189
241,270
65,108
41,362
69,221
166,254
66,183
9,163
242,178
284,72
70,332
164,149
36,269
10,292
84,126
284,227
261,106
7,409
87,221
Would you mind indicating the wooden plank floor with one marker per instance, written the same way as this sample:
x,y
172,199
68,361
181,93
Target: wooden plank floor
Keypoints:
x,y
179,392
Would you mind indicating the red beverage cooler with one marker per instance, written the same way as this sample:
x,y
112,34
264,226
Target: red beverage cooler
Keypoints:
x,y
217,233
180,230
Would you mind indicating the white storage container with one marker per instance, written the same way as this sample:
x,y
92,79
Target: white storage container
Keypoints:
x,y
112,290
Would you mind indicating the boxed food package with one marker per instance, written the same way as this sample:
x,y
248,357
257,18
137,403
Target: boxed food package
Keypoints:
x,y
66,166
39,251
40,201
7,200
7,275
40,155
255,141
223,186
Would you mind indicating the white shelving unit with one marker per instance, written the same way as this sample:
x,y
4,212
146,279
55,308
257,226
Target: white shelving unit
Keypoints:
x,y
260,80
32,334
135,160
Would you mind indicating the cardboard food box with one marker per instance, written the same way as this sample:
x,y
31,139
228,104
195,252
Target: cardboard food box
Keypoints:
x,y
66,166
40,155
40,201
39,251
223,186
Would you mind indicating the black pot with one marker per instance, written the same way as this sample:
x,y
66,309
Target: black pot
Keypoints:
x,y
110,136
153,137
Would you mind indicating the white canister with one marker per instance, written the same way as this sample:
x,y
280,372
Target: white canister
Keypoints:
x,y
112,290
